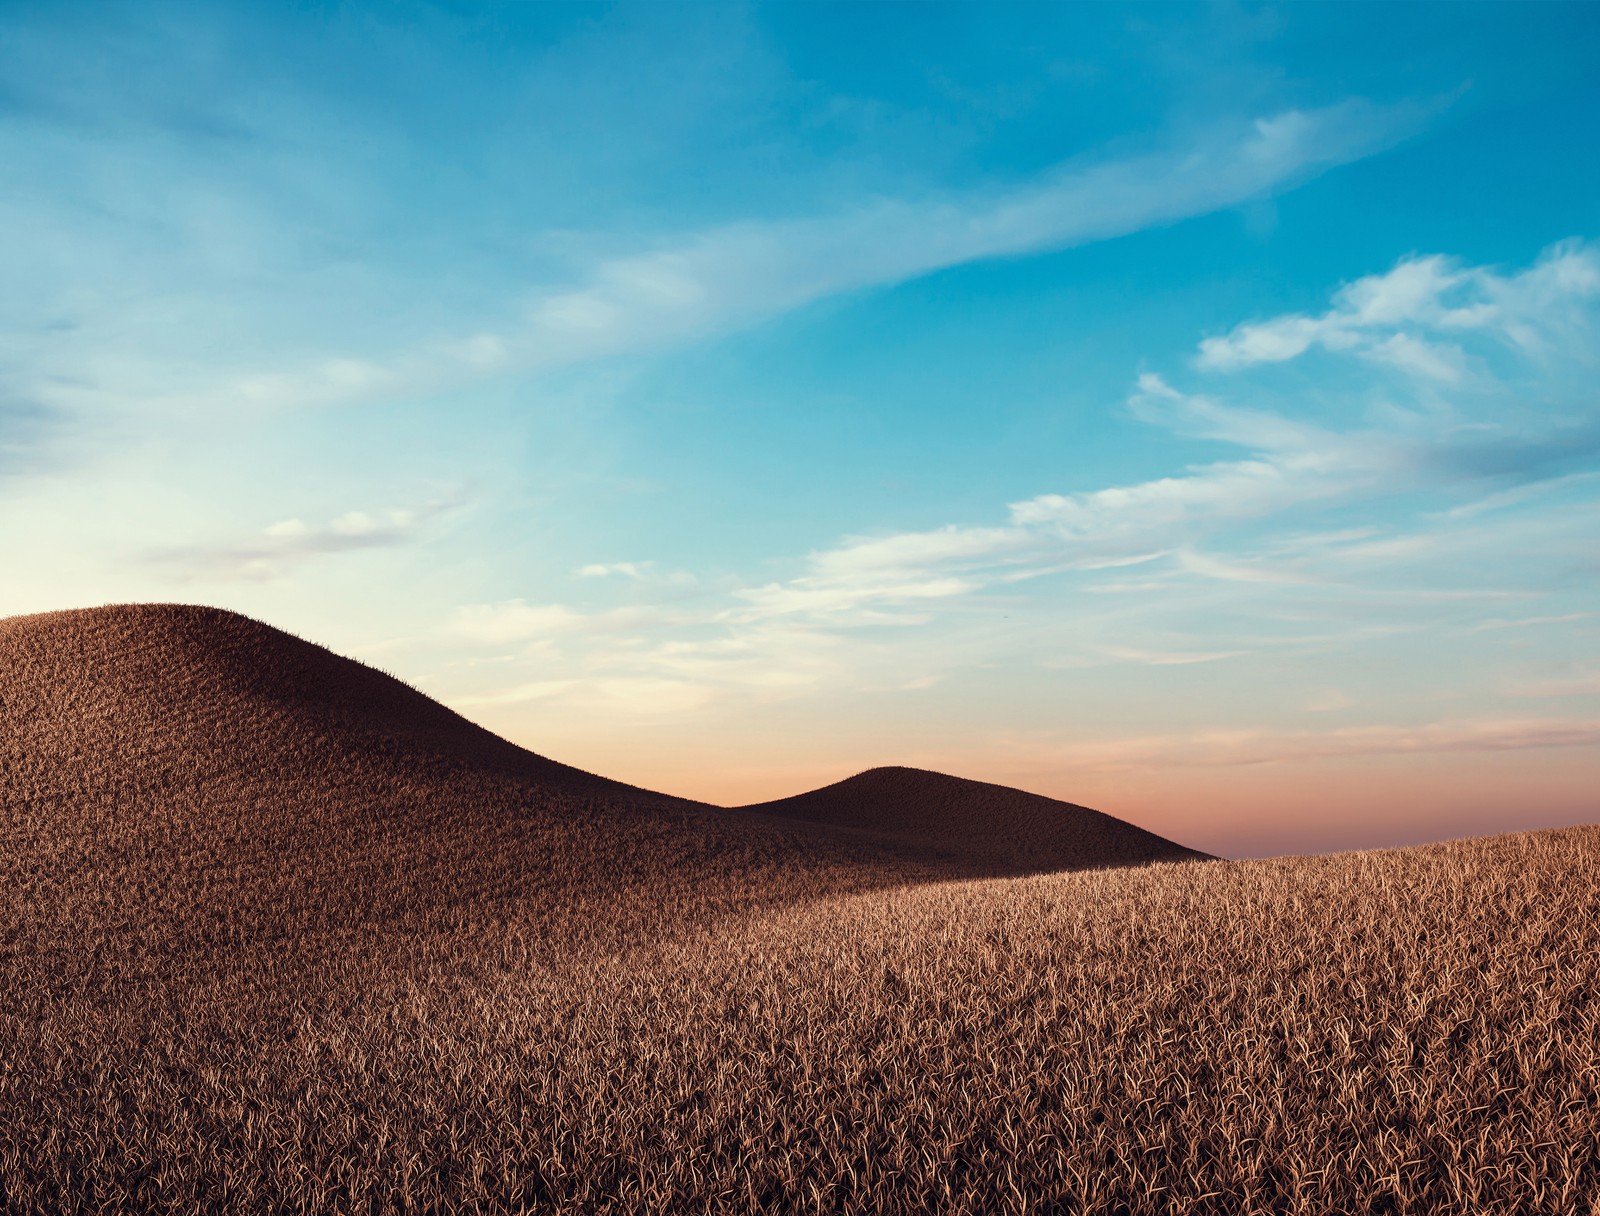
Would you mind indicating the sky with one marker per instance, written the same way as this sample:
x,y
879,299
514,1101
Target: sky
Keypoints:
x,y
1189,411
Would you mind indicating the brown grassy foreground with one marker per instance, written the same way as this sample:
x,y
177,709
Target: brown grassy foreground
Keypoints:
x,y
279,935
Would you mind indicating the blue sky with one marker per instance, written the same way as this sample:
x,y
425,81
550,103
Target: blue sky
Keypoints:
x,y
1187,410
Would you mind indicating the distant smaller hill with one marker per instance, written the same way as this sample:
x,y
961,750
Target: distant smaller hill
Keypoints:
x,y
1009,830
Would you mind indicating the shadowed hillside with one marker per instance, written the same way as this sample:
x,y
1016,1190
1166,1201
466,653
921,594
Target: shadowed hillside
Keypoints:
x,y
1014,831
280,934
242,781
145,691
188,775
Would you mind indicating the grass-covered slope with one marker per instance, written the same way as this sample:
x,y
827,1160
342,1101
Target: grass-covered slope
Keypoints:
x,y
1014,831
178,779
277,934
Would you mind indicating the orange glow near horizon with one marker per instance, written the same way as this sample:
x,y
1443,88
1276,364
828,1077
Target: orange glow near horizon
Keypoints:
x,y
1319,805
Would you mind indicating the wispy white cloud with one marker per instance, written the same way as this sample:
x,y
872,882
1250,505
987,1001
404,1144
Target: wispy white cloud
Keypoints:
x,y
638,572
512,621
1518,495
1169,658
1122,525
280,547
1226,748
633,696
1249,571
1383,316
633,570
846,601
1529,622
741,274
1441,361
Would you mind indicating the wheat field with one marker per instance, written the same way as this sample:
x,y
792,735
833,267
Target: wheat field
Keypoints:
x,y
278,934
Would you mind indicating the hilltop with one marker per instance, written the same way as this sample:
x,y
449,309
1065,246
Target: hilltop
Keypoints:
x,y
1017,832
149,692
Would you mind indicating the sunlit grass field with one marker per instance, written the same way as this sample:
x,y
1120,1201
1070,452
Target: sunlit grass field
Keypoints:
x,y
327,952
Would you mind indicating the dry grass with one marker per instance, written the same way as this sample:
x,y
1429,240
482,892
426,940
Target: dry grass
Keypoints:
x,y
262,952
1008,830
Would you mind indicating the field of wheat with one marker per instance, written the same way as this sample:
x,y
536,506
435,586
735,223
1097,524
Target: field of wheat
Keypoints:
x,y
256,956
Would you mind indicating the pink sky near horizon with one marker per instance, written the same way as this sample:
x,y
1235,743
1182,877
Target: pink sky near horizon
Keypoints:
x,y
1270,808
